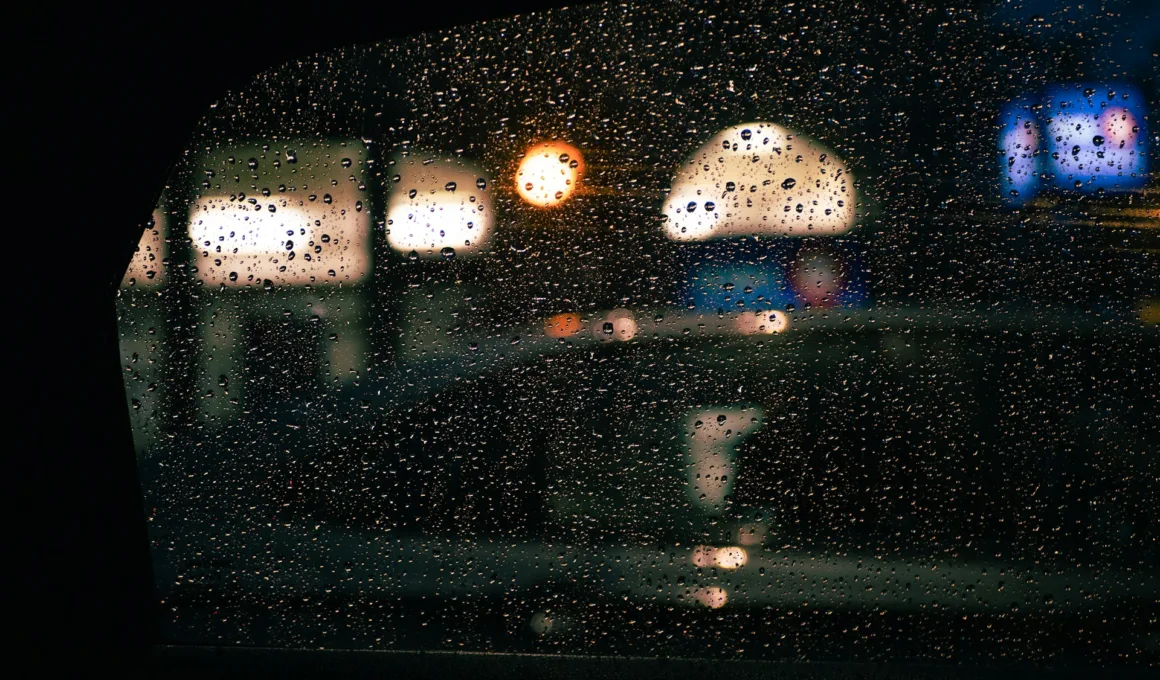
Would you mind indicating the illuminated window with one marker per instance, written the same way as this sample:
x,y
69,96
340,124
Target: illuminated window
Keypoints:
x,y
290,214
438,208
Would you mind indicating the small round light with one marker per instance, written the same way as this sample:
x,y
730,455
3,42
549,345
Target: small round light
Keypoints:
x,y
549,174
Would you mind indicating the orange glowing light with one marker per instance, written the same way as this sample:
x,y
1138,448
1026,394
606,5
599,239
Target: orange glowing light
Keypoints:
x,y
562,326
549,174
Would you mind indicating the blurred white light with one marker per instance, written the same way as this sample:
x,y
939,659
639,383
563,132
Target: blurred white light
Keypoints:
x,y
436,205
731,557
759,178
304,224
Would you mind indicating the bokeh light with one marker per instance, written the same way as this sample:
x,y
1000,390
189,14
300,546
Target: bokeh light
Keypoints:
x,y
549,174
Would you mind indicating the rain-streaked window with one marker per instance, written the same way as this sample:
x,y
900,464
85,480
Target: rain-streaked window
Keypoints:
x,y
760,330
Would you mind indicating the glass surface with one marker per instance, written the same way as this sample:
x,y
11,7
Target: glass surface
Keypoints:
x,y
763,331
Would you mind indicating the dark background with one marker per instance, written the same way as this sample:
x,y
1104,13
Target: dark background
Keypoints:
x,y
112,98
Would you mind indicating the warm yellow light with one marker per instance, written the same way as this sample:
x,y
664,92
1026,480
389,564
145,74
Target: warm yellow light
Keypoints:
x,y
731,557
549,174
1150,311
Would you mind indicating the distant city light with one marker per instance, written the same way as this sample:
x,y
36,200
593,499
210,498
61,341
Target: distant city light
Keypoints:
x,y
1096,137
751,534
818,277
438,208
820,273
759,178
549,174
1020,143
1149,311
704,556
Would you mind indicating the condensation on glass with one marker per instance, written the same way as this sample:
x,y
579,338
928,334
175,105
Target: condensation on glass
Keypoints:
x,y
764,331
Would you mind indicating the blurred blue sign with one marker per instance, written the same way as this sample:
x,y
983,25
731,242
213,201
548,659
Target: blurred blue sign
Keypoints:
x,y
821,275
1081,137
